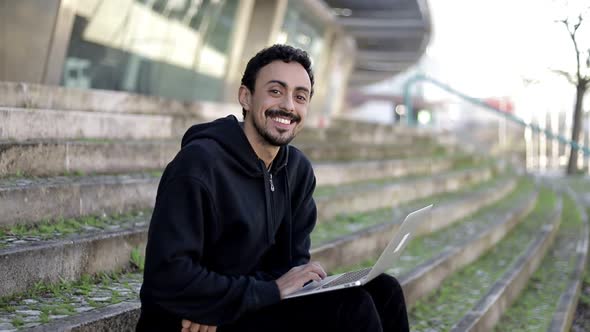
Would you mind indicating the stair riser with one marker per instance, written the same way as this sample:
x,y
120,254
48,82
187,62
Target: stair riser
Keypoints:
x,y
396,194
339,174
29,205
23,124
67,260
49,159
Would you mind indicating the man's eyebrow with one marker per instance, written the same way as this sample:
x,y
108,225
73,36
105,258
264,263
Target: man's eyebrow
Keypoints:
x,y
284,85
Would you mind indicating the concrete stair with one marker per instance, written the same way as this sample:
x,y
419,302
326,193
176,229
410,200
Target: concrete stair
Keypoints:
x,y
78,175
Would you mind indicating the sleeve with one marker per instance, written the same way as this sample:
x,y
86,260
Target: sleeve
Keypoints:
x,y
174,278
304,219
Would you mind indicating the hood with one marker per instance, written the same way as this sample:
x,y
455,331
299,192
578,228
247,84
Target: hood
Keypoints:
x,y
228,133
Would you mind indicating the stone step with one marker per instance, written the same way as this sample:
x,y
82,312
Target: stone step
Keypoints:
x,y
353,248
52,157
31,124
33,200
469,240
462,290
549,301
349,199
121,317
339,173
488,311
49,253
28,95
380,135
354,151
30,200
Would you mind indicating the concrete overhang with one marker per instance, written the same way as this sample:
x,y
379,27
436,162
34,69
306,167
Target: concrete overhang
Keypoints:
x,y
391,35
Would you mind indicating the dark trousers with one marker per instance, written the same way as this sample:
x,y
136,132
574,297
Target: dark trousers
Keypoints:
x,y
377,306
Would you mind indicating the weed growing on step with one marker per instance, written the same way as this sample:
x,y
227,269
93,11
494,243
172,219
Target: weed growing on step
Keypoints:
x,y
61,227
66,297
137,259
534,309
461,291
17,321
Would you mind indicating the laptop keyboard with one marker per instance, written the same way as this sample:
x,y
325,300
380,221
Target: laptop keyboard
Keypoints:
x,y
348,277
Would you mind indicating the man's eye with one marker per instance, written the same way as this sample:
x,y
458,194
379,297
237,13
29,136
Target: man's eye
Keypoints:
x,y
302,98
275,92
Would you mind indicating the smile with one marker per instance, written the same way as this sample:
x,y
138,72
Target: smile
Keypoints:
x,y
281,120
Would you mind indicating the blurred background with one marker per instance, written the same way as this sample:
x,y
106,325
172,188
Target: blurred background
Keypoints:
x,y
518,58
481,107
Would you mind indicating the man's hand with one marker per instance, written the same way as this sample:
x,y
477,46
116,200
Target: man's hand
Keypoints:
x,y
188,326
294,280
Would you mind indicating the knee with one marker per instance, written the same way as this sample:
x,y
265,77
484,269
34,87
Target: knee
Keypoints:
x,y
387,282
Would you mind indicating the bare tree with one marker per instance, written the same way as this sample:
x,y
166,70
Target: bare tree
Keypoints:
x,y
580,79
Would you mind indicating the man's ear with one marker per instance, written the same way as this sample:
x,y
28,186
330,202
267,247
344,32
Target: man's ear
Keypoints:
x,y
244,97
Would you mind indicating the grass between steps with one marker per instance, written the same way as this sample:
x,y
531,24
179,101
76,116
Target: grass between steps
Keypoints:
x,y
534,309
61,228
425,247
581,321
46,302
461,291
349,223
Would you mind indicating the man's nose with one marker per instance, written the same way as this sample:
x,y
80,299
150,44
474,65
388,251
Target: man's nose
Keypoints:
x,y
287,104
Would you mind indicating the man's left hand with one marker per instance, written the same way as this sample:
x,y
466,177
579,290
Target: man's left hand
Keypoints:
x,y
188,326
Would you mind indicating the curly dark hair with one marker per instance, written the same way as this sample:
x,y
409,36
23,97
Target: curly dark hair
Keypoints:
x,y
285,53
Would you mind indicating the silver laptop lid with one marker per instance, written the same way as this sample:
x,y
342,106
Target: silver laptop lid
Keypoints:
x,y
397,244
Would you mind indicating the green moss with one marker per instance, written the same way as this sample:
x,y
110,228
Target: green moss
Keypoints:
x,y
461,291
534,309
61,227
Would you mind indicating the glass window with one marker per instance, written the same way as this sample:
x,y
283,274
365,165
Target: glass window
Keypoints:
x,y
300,30
171,48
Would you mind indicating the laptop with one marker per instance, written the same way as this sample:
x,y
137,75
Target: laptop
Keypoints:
x,y
358,278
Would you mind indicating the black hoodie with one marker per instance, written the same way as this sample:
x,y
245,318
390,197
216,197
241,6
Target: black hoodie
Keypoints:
x,y
224,228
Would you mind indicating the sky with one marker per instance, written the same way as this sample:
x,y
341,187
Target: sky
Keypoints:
x,y
488,47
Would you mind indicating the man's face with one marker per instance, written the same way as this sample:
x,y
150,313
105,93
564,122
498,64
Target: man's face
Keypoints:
x,y
280,101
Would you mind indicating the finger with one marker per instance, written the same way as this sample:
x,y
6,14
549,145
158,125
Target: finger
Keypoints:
x,y
186,323
185,330
320,269
204,328
195,327
212,329
316,268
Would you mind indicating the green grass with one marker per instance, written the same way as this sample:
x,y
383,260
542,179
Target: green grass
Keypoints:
x,y
61,227
66,290
533,310
425,247
461,291
349,223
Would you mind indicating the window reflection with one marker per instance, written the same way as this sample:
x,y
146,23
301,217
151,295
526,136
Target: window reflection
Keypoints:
x,y
172,48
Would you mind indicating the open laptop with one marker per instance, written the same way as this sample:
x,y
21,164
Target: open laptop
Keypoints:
x,y
384,263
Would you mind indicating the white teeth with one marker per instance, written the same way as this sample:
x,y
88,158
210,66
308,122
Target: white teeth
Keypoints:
x,y
281,120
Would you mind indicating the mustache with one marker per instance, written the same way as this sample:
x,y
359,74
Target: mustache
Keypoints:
x,y
283,114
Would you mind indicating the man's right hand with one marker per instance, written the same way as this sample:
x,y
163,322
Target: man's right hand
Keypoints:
x,y
294,280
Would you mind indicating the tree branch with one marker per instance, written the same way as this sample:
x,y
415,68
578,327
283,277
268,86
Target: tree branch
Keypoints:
x,y
566,75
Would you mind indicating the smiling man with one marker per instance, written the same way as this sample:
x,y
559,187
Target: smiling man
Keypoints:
x,y
229,235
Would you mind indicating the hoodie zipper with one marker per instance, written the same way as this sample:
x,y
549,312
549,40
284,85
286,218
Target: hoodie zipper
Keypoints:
x,y
268,198
272,186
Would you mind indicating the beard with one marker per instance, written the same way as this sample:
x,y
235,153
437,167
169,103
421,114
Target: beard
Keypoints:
x,y
276,139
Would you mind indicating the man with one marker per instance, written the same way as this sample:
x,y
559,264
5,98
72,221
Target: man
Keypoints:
x,y
229,236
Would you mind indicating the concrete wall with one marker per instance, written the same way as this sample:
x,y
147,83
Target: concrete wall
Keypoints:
x,y
32,45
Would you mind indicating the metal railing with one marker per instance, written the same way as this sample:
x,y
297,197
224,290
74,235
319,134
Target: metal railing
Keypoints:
x,y
583,150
